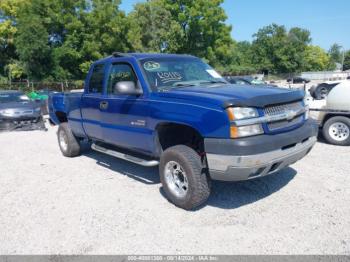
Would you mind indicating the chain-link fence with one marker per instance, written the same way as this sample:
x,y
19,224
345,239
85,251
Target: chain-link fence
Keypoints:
x,y
27,86
284,76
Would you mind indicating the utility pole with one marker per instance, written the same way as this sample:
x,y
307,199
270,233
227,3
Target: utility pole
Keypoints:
x,y
343,59
10,77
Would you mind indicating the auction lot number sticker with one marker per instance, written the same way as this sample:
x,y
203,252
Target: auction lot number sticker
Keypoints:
x,y
172,258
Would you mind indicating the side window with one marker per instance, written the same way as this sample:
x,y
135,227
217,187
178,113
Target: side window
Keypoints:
x,y
120,72
96,80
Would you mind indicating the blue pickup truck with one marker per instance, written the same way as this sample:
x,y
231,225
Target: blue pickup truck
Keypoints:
x,y
177,112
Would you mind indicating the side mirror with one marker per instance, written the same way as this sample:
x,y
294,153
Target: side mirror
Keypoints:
x,y
127,88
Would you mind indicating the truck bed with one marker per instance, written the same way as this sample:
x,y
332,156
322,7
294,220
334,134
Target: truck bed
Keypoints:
x,y
67,103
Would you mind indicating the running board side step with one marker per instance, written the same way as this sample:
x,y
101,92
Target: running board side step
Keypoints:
x,y
126,157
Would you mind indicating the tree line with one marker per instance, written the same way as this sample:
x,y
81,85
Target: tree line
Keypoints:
x,y
58,39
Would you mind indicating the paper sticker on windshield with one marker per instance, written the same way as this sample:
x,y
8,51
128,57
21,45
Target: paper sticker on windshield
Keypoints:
x,y
166,77
151,65
213,73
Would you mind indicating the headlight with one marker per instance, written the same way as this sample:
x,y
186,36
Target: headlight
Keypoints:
x,y
6,112
238,113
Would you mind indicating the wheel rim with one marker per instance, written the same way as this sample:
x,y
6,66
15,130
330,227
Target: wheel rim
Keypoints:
x,y
176,179
63,140
339,131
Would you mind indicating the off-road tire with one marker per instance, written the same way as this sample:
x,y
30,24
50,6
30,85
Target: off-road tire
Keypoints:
x,y
73,146
326,129
198,180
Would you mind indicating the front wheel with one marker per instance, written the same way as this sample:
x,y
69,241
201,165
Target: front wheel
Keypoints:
x,y
336,130
69,144
183,177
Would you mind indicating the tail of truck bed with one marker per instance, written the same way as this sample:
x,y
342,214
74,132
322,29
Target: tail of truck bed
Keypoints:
x,y
66,105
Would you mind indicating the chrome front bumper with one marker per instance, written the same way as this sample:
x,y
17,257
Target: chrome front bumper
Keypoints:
x,y
244,167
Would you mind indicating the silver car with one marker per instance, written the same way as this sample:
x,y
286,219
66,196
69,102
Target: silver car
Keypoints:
x,y
18,112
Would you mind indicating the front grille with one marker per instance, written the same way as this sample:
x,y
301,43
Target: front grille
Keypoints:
x,y
22,120
282,109
285,123
23,112
25,122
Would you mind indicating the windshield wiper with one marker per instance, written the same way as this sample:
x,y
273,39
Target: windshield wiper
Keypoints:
x,y
167,88
163,88
214,82
182,84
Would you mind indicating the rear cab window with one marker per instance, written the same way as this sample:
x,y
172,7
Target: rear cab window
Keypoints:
x,y
96,79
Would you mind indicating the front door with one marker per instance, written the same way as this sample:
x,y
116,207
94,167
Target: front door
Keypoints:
x,y
125,117
92,102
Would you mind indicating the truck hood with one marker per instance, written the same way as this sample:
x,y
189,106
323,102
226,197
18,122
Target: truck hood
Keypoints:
x,y
235,95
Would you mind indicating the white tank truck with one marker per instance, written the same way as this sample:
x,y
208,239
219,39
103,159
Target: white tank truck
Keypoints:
x,y
333,113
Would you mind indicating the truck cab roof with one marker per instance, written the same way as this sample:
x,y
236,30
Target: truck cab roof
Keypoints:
x,y
140,56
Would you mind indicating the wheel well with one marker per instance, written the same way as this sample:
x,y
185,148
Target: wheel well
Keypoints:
x,y
61,116
329,116
171,134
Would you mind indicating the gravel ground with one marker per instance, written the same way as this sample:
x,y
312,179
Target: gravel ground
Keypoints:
x,y
96,204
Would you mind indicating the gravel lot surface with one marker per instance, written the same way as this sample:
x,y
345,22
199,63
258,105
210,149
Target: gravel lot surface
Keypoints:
x,y
96,204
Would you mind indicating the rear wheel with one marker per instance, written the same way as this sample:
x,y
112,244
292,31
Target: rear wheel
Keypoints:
x,y
336,130
69,144
183,177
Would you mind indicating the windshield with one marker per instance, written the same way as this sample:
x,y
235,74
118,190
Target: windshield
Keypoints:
x,y
167,73
13,97
258,82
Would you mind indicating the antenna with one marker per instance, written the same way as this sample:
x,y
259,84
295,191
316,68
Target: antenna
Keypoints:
x,y
119,54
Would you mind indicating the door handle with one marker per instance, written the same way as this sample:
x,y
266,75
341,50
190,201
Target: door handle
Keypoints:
x,y
103,105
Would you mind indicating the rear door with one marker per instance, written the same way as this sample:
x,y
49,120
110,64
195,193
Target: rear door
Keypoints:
x,y
125,117
92,102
